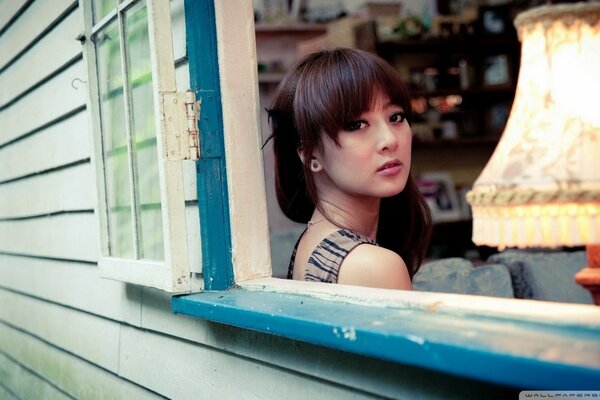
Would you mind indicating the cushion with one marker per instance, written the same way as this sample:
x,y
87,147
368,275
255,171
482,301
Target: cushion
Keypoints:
x,y
458,275
545,275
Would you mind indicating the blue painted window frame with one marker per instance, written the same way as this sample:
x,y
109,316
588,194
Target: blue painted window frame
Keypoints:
x,y
495,350
215,228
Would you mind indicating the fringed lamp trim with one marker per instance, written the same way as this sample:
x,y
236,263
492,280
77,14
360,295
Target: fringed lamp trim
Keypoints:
x,y
480,197
538,225
588,12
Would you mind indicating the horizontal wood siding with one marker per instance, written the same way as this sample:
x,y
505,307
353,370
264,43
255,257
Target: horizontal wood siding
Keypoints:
x,y
63,236
51,101
72,284
10,9
17,380
61,144
22,33
69,372
56,49
69,189
95,339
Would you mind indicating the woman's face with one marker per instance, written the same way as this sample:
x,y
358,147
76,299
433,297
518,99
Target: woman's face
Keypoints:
x,y
373,157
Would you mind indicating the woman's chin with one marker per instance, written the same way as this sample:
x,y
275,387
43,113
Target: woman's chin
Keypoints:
x,y
392,192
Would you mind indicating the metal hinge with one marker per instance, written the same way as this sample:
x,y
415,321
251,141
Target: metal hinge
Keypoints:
x,y
179,117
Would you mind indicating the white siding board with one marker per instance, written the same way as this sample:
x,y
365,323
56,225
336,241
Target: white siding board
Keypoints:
x,y
25,384
192,217
62,190
188,371
49,101
157,316
63,143
182,77
90,337
178,28
9,9
190,187
79,378
66,236
6,395
72,284
45,57
35,19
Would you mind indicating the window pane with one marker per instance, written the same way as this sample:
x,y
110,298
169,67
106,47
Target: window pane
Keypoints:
x,y
112,111
143,133
102,8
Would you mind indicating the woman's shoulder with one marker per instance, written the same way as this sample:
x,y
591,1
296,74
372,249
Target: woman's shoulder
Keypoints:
x,y
374,266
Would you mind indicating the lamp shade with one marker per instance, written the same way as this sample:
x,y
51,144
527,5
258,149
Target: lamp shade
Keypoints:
x,y
541,187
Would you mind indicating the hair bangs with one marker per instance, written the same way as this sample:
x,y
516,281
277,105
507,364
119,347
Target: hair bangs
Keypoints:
x,y
338,87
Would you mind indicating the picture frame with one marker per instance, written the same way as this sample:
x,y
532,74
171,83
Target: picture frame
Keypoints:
x,y
496,71
494,20
496,117
441,196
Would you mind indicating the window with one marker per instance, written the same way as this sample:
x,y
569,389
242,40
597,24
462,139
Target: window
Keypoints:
x,y
511,342
141,139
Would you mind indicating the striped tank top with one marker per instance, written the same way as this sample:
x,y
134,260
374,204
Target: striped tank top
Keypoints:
x,y
326,259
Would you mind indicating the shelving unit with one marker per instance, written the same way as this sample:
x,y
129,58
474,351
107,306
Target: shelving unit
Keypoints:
x,y
465,155
475,95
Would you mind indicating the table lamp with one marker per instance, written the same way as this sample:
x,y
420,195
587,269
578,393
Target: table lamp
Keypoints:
x,y
541,187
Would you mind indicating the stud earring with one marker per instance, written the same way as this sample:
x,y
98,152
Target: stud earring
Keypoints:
x,y
314,166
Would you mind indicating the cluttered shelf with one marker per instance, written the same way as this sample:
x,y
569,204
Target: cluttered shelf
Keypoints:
x,y
477,91
290,28
476,141
449,44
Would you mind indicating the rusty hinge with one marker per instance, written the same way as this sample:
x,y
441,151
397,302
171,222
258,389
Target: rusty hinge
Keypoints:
x,y
179,118
192,111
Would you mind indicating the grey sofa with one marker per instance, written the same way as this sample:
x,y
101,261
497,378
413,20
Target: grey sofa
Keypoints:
x,y
523,274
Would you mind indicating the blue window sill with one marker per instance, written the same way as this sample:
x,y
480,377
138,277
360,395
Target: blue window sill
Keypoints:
x,y
519,354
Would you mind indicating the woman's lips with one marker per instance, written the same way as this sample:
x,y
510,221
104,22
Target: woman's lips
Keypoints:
x,y
390,168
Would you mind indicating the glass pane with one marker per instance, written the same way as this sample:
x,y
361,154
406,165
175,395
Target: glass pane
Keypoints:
x,y
112,111
102,8
144,133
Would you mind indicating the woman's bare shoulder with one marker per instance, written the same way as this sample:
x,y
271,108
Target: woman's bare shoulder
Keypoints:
x,y
374,266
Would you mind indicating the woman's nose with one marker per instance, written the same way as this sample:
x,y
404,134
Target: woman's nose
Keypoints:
x,y
387,138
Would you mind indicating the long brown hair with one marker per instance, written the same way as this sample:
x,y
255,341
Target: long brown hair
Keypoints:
x,y
323,93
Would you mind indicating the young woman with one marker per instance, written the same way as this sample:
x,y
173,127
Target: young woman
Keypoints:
x,y
342,143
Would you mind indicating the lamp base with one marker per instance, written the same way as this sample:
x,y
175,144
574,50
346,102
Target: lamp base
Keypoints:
x,y
589,277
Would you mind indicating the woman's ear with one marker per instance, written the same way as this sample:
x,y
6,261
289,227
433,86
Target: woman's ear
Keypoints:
x,y
315,165
300,152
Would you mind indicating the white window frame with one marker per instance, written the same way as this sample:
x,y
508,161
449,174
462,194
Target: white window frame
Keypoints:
x,y
173,274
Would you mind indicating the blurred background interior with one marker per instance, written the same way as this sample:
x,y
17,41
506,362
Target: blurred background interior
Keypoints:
x,y
460,61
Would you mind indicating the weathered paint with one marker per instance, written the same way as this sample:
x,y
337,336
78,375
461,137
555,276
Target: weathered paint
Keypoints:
x,y
212,182
518,354
552,313
242,137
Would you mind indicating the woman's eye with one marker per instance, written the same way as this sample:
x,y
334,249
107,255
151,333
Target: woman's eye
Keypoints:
x,y
398,117
355,125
